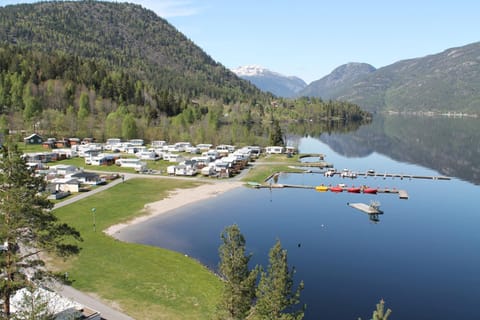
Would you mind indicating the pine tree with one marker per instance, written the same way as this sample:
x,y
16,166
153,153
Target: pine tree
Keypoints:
x,y
276,299
276,135
33,306
239,290
380,313
27,227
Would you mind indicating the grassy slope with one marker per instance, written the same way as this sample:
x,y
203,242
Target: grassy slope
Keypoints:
x,y
147,282
270,164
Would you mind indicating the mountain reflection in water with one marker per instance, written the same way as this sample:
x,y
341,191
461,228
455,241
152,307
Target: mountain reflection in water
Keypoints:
x,y
450,146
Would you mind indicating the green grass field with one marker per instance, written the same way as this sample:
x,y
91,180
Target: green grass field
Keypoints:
x,y
146,282
270,164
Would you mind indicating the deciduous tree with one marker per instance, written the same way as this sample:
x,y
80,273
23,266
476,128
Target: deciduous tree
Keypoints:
x,y
83,106
129,127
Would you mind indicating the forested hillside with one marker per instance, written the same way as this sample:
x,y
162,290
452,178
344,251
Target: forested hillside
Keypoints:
x,y
338,80
88,68
443,82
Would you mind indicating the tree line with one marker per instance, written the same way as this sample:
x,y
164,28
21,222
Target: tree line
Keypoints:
x,y
58,95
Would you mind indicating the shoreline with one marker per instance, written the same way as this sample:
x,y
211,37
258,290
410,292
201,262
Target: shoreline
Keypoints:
x,y
176,198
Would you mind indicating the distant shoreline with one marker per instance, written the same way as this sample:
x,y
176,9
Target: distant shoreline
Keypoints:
x,y
176,199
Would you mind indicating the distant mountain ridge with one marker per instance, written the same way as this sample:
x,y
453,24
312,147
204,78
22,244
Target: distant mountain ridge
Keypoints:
x,y
338,80
447,81
124,37
269,81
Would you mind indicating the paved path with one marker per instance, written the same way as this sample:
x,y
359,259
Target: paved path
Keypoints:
x,y
94,303
83,195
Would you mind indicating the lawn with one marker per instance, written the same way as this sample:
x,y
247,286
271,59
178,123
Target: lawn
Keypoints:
x,y
159,166
270,164
261,172
146,282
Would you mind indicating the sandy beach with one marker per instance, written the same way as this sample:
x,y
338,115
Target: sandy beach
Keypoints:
x,y
176,199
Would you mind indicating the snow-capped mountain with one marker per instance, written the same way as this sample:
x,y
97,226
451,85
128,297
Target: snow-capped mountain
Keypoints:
x,y
266,80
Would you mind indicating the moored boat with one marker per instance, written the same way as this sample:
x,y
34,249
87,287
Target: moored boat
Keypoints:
x,y
330,172
370,190
321,188
353,189
336,189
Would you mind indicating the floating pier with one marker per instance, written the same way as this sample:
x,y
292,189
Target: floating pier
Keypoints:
x,y
402,176
320,164
402,194
352,174
370,209
320,156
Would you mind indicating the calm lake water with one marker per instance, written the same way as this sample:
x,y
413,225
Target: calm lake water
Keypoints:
x,y
422,257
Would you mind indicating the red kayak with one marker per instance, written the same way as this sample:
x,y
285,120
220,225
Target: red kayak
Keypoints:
x,y
370,190
354,190
336,189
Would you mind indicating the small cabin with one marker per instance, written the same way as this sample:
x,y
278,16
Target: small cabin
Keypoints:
x,y
49,144
62,143
33,139
74,141
88,140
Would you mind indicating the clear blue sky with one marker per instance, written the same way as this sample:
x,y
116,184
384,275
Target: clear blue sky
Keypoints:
x,y
309,38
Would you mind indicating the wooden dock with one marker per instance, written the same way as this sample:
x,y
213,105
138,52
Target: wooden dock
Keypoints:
x,y
402,194
320,164
401,176
320,156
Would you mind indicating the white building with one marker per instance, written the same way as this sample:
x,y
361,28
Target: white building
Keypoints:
x,y
147,155
204,146
274,150
134,163
158,144
113,141
136,142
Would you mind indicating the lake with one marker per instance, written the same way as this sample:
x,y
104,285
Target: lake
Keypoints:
x,y
422,257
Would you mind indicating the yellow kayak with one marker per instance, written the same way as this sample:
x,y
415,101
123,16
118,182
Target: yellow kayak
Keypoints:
x,y
321,188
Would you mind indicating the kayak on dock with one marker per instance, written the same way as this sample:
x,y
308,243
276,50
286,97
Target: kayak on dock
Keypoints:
x,y
321,188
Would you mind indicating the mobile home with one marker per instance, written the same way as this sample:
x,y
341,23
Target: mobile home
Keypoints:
x,y
274,150
131,163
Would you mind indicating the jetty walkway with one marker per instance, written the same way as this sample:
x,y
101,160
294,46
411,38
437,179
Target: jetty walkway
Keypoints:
x,y
402,194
